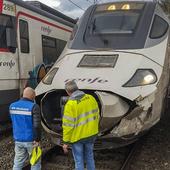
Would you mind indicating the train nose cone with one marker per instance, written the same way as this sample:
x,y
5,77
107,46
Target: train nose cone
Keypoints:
x,y
113,108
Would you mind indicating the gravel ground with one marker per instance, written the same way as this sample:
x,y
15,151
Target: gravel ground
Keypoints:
x,y
7,150
155,152
6,153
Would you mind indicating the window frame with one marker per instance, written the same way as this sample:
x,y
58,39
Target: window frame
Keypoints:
x,y
27,50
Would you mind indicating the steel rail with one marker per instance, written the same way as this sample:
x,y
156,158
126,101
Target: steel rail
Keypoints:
x,y
131,154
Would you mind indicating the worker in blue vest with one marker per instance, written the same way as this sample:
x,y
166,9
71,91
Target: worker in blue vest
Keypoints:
x,y
26,122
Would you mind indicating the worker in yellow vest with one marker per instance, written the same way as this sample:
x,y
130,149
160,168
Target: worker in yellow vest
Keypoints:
x,y
80,126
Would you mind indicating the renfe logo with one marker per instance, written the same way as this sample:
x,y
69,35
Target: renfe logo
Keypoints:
x,y
46,29
1,5
89,80
9,64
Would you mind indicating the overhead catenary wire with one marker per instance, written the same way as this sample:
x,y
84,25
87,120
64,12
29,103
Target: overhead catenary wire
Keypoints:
x,y
76,5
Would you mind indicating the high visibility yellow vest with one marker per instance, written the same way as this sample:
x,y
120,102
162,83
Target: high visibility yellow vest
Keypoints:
x,y
80,119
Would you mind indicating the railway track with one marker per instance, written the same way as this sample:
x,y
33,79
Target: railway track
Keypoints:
x,y
131,154
117,159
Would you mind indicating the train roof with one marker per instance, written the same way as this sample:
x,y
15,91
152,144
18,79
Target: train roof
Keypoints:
x,y
46,11
50,10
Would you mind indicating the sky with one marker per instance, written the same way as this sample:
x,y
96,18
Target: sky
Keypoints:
x,y
68,8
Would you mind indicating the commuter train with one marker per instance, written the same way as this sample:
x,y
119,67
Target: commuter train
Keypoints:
x,y
118,52
32,36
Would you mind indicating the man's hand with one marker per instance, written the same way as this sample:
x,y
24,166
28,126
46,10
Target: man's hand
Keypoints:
x,y
65,148
35,143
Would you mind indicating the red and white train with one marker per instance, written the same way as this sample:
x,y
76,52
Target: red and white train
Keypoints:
x,y
32,37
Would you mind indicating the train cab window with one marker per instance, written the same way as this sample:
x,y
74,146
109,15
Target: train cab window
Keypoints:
x,y
24,36
121,23
5,22
117,18
52,49
159,27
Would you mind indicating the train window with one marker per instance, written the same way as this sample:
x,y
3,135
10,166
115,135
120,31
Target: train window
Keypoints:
x,y
24,36
159,27
122,22
52,49
49,42
5,22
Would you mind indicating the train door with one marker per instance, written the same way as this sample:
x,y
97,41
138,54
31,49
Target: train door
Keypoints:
x,y
25,55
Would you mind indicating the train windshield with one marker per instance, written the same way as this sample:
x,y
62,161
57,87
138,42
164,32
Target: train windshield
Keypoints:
x,y
121,23
5,22
119,18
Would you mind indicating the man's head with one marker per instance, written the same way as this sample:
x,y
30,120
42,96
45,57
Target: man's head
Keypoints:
x,y
29,93
71,87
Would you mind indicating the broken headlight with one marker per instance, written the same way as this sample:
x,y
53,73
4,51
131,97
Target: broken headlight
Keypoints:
x,y
142,77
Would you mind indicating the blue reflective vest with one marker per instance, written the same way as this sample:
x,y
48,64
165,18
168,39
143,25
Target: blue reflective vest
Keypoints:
x,y
22,120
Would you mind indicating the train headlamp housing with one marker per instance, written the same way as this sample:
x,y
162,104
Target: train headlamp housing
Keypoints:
x,y
49,76
98,61
142,77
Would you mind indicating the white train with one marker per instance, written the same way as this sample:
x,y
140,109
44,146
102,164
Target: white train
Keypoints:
x,y
117,53
32,36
